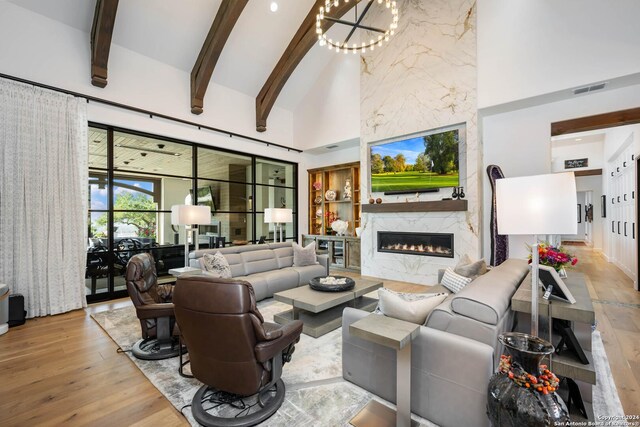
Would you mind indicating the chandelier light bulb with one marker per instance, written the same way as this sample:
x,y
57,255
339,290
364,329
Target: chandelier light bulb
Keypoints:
x,y
355,47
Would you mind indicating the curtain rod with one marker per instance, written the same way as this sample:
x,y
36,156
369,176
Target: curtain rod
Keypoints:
x,y
151,114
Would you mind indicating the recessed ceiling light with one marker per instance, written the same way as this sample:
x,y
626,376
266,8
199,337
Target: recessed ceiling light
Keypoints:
x,y
578,139
273,6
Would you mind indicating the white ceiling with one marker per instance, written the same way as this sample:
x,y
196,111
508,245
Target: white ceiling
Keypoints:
x,y
173,31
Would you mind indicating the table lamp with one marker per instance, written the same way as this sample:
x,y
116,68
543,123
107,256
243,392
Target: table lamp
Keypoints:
x,y
278,216
535,205
189,215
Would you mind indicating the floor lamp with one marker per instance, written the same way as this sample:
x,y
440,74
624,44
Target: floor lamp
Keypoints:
x,y
278,216
189,215
537,205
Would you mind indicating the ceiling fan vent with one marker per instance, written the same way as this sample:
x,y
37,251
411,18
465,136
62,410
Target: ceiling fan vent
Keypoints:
x,y
591,88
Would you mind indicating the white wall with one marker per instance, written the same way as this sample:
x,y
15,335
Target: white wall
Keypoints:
x,y
330,112
580,233
37,48
529,48
561,151
518,142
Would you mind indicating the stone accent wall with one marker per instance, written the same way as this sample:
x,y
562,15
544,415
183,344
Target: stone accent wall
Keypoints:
x,y
424,78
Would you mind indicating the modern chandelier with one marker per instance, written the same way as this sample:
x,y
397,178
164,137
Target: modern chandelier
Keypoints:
x,y
383,34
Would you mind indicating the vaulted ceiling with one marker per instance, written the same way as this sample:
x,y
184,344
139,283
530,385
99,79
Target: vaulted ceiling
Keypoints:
x,y
248,56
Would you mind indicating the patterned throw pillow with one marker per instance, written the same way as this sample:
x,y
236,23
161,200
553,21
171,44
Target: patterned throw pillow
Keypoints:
x,y
410,307
453,281
304,256
216,265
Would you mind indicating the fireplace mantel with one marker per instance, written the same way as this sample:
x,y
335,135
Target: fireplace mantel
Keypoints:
x,y
431,206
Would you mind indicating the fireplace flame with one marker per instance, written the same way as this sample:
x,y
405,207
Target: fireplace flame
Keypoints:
x,y
418,248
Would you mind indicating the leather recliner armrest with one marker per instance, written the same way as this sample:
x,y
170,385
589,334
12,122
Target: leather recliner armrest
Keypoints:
x,y
266,350
153,311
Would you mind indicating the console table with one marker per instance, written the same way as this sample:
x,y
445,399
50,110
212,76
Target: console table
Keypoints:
x,y
582,317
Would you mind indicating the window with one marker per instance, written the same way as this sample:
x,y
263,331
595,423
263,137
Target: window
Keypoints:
x,y
134,179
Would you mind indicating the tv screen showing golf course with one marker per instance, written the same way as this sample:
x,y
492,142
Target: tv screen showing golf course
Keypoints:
x,y
415,164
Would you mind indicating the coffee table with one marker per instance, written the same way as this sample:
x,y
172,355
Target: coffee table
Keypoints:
x,y
321,312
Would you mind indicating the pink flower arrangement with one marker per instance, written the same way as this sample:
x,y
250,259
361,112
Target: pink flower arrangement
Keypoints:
x,y
555,257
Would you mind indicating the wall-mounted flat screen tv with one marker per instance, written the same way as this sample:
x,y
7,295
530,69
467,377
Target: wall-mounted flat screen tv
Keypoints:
x,y
418,163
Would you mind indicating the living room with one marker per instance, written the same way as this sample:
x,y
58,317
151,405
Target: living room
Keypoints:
x,y
252,135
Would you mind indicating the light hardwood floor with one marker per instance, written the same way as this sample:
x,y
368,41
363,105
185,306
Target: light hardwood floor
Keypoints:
x,y
65,369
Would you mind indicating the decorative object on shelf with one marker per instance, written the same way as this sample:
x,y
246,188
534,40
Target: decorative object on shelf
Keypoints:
x,y
317,185
552,256
499,242
340,227
378,200
383,33
330,195
319,212
522,392
317,200
332,283
458,193
347,190
329,218
358,231
371,200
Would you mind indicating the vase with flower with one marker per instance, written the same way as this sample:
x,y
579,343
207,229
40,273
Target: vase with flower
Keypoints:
x,y
556,257
329,218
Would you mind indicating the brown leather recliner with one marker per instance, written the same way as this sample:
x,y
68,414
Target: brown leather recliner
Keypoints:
x,y
154,309
232,349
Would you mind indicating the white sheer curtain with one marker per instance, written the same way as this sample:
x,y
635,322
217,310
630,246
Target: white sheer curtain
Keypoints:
x,y
43,197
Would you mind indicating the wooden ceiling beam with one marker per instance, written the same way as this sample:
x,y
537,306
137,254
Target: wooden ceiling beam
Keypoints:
x,y
223,23
104,19
300,45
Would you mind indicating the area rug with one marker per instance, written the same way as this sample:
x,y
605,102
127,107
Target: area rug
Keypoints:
x,y
316,393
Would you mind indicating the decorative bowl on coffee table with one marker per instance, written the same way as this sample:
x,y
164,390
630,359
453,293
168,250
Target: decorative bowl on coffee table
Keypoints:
x,y
343,285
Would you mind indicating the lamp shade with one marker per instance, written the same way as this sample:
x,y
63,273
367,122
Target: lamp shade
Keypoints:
x,y
539,204
190,214
278,215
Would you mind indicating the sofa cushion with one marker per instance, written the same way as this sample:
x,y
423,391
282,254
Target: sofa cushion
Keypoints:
x,y
216,265
453,281
281,280
284,256
309,272
488,297
259,284
304,255
410,307
259,261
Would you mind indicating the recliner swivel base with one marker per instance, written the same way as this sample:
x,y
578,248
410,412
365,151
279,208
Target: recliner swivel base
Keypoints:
x,y
237,411
155,349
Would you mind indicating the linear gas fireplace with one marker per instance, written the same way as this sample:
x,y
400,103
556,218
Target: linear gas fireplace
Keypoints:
x,y
426,244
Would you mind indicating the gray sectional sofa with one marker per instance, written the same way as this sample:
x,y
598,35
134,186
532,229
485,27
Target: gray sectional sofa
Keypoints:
x,y
452,358
268,267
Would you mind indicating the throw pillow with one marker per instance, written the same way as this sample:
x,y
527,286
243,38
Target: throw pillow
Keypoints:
x,y
216,265
453,281
468,268
304,256
410,307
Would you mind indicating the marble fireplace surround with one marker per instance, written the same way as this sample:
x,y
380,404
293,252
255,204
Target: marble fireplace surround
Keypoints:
x,y
407,267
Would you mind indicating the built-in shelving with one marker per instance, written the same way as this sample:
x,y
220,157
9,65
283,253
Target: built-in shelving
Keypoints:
x,y
347,209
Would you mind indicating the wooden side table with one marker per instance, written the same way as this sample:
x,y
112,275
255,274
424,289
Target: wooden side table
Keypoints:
x,y
397,334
